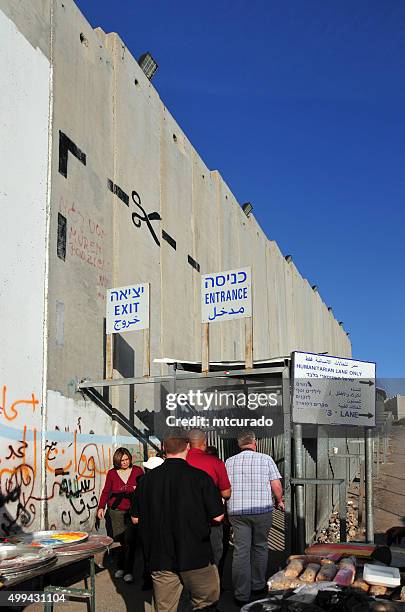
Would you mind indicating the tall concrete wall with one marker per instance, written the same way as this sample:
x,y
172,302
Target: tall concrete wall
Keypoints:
x,y
107,123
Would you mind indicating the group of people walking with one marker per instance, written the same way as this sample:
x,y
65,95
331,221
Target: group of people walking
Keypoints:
x,y
179,509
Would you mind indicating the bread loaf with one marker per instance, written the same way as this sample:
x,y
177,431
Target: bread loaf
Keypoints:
x,y
294,568
310,572
345,575
361,585
377,589
280,582
347,561
326,573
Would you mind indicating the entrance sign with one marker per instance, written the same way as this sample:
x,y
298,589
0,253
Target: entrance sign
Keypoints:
x,y
127,309
333,390
226,295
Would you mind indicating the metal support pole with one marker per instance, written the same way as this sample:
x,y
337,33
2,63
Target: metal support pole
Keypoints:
x,y
109,366
368,437
92,585
299,489
173,371
287,461
342,511
361,496
377,445
146,352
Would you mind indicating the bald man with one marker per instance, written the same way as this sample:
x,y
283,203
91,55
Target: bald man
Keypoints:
x,y
214,467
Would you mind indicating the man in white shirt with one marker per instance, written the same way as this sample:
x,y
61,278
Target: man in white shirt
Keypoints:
x,y
255,479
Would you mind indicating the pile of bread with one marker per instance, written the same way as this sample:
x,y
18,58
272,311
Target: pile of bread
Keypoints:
x,y
306,569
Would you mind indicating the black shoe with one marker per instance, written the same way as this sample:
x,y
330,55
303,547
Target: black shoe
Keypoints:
x,y
257,592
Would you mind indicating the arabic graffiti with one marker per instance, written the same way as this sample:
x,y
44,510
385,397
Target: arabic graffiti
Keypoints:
x,y
75,470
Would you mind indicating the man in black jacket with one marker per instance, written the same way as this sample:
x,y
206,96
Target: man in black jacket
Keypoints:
x,y
174,505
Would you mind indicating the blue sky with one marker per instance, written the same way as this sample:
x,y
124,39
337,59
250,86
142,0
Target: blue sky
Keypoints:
x,y
300,106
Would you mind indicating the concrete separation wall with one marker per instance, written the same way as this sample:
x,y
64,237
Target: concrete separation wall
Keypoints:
x,y
88,221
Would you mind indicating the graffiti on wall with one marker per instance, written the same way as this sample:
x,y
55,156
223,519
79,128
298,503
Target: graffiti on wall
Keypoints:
x,y
68,477
75,469
86,240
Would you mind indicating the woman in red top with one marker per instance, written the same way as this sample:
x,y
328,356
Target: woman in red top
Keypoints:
x,y
119,487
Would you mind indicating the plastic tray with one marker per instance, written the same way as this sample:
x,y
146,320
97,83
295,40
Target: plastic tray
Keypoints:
x,y
381,575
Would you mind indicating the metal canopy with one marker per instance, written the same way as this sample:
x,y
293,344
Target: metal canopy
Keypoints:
x,y
182,375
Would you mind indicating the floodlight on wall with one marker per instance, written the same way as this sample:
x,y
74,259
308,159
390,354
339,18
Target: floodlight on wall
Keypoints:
x,y
347,334
247,208
315,288
330,308
148,65
288,258
341,323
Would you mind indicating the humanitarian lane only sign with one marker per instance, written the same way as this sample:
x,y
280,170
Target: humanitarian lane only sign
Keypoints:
x,y
226,295
127,309
333,390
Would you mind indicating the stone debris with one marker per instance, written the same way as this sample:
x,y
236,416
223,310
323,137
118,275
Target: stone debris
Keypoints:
x,y
331,533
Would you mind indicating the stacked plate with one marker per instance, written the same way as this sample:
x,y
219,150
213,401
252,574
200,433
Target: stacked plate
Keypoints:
x,y
16,559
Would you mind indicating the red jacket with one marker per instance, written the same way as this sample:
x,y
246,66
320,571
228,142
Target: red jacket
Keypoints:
x,y
114,487
213,466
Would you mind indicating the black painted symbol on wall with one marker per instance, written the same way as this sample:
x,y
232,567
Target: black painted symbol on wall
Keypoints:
x,y
67,146
120,193
61,240
193,263
169,239
138,219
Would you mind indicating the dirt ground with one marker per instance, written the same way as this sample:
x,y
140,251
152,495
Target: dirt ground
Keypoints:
x,y
114,595
389,487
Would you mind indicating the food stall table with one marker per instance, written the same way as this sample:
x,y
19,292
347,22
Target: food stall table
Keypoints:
x,y
66,557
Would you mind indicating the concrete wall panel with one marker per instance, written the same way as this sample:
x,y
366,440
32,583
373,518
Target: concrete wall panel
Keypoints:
x,y
205,227
24,111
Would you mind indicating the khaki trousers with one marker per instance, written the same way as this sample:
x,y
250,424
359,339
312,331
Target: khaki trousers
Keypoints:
x,y
203,585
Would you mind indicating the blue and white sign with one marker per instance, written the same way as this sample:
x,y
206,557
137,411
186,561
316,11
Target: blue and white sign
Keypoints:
x,y
333,390
127,309
226,295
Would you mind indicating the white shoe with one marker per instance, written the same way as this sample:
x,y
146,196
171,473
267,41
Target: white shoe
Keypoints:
x,y
119,574
128,578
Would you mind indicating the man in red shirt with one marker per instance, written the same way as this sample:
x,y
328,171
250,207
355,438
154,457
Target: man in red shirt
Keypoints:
x,y
214,467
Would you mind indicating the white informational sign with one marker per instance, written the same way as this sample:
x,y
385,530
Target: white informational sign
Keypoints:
x,y
333,390
226,295
127,308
